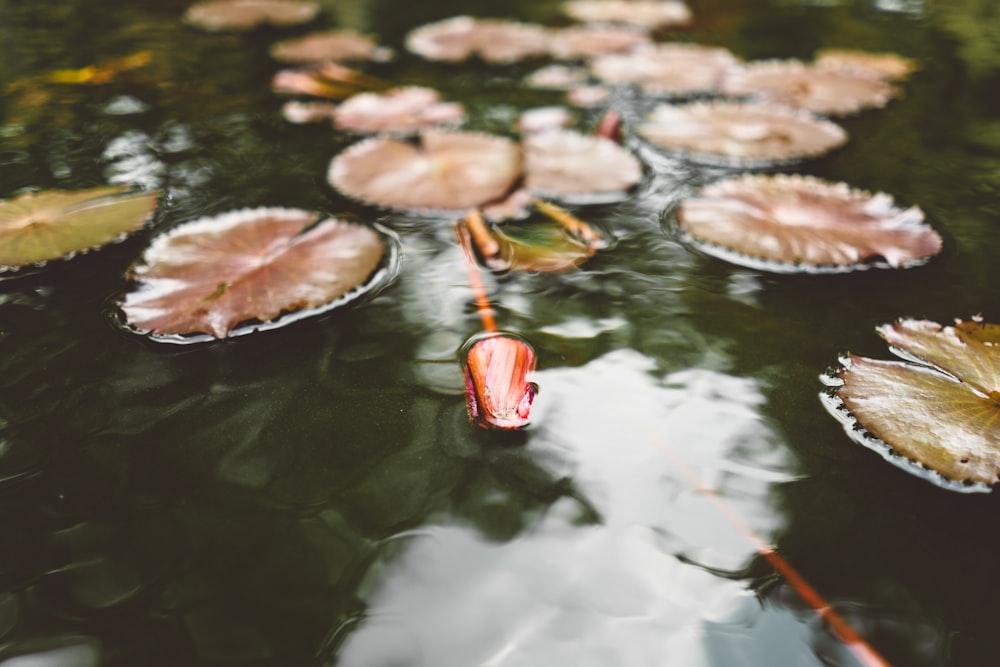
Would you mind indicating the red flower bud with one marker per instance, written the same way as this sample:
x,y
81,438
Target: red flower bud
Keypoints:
x,y
497,391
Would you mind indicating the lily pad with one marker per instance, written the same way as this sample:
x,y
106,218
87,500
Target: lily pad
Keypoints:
x,y
737,134
396,111
557,77
570,166
824,90
327,45
670,70
250,270
41,226
646,13
238,15
887,65
596,39
438,171
790,223
494,40
936,414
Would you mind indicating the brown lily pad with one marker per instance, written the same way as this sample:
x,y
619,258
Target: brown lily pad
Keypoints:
x,y
438,171
238,15
935,415
38,227
646,13
249,270
589,40
790,223
824,90
570,166
462,37
327,45
667,70
396,111
886,65
737,134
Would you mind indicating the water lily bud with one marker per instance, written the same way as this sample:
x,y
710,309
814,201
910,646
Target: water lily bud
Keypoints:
x,y
497,391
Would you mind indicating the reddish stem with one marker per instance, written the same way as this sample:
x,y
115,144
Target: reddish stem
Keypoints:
x,y
482,301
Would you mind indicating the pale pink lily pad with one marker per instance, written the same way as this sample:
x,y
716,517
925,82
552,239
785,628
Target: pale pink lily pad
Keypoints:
x,y
887,65
587,96
544,119
266,266
327,45
823,90
791,223
935,415
298,112
596,40
668,69
570,166
494,40
737,134
397,110
237,15
557,77
646,13
436,172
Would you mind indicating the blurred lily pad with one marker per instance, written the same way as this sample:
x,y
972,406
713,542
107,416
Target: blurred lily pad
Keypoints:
x,y
646,13
54,224
937,413
259,268
329,45
238,15
570,166
494,40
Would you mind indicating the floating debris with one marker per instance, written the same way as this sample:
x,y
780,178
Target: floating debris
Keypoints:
x,y
241,15
791,223
330,45
739,134
462,37
670,70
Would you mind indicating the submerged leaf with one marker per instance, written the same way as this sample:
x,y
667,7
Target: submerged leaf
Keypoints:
x,y
793,223
239,15
437,171
936,415
494,40
42,226
210,275
498,392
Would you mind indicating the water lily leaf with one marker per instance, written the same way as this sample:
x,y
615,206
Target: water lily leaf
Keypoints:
x,y
544,119
265,265
887,65
396,111
54,224
650,14
596,39
494,40
438,171
939,417
329,45
570,166
736,134
790,223
668,70
237,15
824,90
557,77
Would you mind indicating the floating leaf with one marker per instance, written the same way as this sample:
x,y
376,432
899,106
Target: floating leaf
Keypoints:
x,y
265,266
437,171
567,165
668,69
397,110
936,415
497,390
790,223
823,90
596,40
544,119
328,80
329,45
736,134
54,224
887,65
494,40
557,77
237,15
647,13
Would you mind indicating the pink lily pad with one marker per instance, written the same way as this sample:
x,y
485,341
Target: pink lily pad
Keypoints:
x,y
595,40
238,15
646,13
249,270
557,77
668,69
790,223
936,414
439,171
886,65
737,134
397,110
38,227
462,37
327,45
823,90
570,166
544,119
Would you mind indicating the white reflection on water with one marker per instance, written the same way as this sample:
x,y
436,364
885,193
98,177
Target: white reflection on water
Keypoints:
x,y
615,592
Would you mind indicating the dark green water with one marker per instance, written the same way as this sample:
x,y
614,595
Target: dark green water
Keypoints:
x,y
316,495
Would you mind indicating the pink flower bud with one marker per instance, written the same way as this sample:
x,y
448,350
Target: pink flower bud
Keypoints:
x,y
497,391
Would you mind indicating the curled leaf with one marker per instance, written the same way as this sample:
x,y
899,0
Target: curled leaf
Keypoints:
x,y
936,415
498,391
259,268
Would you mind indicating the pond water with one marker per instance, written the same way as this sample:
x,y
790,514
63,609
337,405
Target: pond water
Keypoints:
x,y
317,495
